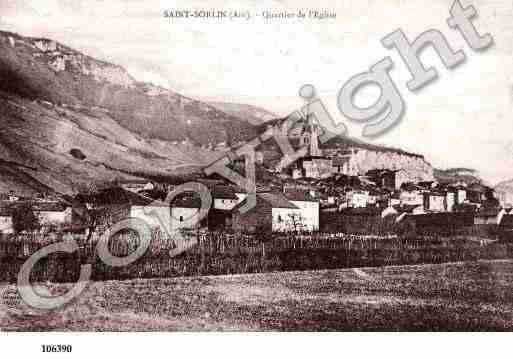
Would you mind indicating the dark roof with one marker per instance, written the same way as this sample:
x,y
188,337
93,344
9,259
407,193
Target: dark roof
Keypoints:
x,y
409,187
115,196
435,193
7,207
478,188
49,206
186,202
274,200
223,192
297,195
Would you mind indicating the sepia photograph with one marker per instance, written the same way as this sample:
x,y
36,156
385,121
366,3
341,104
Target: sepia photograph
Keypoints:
x,y
243,166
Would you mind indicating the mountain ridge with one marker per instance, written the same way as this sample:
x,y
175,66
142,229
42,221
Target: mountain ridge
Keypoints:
x,y
73,119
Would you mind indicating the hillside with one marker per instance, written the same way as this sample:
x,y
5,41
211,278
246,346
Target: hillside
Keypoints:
x,y
249,113
43,69
40,141
70,119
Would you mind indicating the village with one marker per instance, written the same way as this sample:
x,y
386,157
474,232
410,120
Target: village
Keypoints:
x,y
305,196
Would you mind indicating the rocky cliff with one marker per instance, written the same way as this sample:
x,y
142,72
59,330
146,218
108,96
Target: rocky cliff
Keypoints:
x,y
415,166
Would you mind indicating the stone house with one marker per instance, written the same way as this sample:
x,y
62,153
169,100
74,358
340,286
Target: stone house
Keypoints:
x,y
55,213
117,204
308,208
411,194
434,201
389,179
356,198
224,197
272,212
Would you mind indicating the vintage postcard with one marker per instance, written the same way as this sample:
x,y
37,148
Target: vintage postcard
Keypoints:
x,y
244,166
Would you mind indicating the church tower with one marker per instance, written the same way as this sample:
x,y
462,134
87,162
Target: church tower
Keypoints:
x,y
314,139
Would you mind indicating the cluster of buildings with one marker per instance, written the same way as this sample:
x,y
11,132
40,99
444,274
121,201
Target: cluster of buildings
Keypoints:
x,y
47,211
282,205
292,197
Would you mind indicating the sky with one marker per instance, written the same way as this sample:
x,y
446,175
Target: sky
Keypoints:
x,y
463,119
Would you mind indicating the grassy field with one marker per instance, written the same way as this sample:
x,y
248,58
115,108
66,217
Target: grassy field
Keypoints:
x,y
455,296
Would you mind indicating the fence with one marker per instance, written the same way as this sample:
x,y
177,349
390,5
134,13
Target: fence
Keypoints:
x,y
222,253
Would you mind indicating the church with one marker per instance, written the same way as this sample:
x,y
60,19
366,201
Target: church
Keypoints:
x,y
315,164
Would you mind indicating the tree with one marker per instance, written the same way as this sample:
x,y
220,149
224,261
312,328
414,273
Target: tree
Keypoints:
x,y
490,200
24,218
263,234
89,212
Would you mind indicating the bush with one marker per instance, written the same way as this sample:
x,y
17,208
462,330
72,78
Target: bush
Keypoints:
x,y
24,218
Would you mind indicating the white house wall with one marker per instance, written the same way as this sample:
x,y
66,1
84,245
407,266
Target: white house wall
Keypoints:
x,y
309,212
282,221
52,217
225,204
182,217
6,225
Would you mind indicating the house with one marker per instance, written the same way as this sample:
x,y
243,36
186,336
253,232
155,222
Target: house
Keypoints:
x,y
476,193
224,197
13,197
356,198
297,173
450,198
272,212
427,185
411,194
394,199
434,201
489,215
316,166
375,196
6,223
118,204
240,193
56,213
505,196
408,210
184,211
389,179
345,163
308,208
461,194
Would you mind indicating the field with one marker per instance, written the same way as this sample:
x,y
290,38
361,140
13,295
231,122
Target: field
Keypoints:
x,y
474,295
